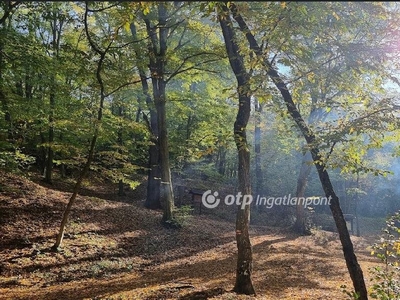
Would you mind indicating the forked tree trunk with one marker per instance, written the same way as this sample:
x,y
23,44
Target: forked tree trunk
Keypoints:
x,y
244,268
353,266
153,175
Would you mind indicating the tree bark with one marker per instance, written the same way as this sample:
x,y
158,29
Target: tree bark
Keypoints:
x,y
222,160
153,176
120,144
50,153
56,26
357,199
353,266
158,60
244,268
300,225
257,148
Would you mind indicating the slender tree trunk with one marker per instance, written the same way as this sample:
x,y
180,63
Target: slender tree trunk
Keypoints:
x,y
56,26
3,100
353,266
222,161
356,205
257,148
244,268
300,225
67,211
42,154
50,153
187,140
120,140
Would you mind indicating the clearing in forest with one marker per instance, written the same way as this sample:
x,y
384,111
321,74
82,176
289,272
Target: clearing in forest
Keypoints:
x,y
116,249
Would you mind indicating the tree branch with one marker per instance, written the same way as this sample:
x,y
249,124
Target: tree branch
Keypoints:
x,y
8,11
122,86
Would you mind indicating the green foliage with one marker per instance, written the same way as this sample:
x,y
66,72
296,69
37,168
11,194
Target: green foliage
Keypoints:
x,y
14,161
386,278
350,294
313,46
183,214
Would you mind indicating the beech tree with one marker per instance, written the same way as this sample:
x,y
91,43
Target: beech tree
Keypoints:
x,y
172,57
310,136
244,268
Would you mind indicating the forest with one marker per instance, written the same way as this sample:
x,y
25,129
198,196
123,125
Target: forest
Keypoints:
x,y
199,150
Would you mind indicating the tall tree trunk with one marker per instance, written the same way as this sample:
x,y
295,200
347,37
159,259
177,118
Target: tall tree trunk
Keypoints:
x,y
56,26
120,144
159,84
50,153
186,154
166,193
3,100
153,176
244,268
353,266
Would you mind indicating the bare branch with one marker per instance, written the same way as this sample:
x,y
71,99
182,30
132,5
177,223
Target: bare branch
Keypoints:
x,y
122,86
186,59
92,44
180,44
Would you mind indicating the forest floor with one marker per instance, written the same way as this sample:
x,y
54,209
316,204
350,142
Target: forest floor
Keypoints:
x,y
116,249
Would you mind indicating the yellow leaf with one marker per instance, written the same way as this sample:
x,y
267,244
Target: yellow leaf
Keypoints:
x,y
336,16
127,26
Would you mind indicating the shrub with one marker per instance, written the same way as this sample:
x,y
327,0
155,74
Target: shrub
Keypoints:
x,y
386,278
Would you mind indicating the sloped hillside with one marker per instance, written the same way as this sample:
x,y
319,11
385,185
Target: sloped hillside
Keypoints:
x,y
116,249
